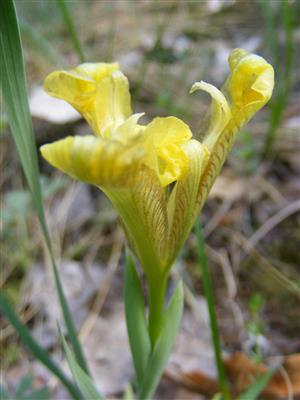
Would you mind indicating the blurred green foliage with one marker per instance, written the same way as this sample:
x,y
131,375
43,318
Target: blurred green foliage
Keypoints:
x,y
25,391
18,245
255,325
281,16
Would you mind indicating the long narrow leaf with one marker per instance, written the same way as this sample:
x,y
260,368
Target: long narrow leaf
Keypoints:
x,y
83,381
257,386
40,42
164,344
71,28
14,89
208,290
136,320
38,352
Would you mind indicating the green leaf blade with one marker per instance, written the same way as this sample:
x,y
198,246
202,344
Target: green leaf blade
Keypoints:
x,y
14,90
164,344
136,320
255,389
38,352
209,295
83,381
63,7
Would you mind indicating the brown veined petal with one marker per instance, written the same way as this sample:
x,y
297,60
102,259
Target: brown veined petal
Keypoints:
x,y
95,161
182,205
142,208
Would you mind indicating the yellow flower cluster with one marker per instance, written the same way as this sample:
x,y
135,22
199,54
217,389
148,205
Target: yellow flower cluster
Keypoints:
x,y
134,164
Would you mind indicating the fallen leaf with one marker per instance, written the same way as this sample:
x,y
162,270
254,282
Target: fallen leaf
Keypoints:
x,y
232,188
241,372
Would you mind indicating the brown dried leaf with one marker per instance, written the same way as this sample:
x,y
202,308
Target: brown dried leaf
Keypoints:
x,y
241,372
232,188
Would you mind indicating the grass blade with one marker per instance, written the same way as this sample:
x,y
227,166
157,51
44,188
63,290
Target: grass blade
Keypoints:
x,y
208,291
40,42
136,320
14,89
163,345
283,72
257,386
83,381
38,352
71,28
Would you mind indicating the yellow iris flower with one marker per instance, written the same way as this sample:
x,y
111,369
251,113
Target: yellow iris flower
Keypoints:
x,y
156,176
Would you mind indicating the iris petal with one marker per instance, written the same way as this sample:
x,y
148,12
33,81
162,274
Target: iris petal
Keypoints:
x,y
164,140
94,160
247,89
99,92
133,164
183,202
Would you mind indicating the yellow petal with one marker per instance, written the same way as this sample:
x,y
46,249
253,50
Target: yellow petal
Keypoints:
x,y
142,208
246,90
220,112
129,130
94,160
112,104
164,138
98,91
183,204
249,86
76,85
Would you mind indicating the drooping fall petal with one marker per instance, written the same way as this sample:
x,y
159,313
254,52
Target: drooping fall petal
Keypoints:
x,y
94,160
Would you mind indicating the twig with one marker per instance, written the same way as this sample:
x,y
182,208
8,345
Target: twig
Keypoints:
x,y
217,217
271,223
280,277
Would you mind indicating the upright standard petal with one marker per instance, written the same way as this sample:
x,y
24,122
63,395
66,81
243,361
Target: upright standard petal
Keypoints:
x,y
78,84
97,91
247,89
219,114
182,204
249,86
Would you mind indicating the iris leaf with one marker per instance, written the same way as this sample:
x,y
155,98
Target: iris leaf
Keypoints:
x,y
13,83
208,290
136,319
38,352
164,344
66,15
257,386
83,381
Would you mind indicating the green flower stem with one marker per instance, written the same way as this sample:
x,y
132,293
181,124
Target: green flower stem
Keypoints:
x,y
208,291
157,291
